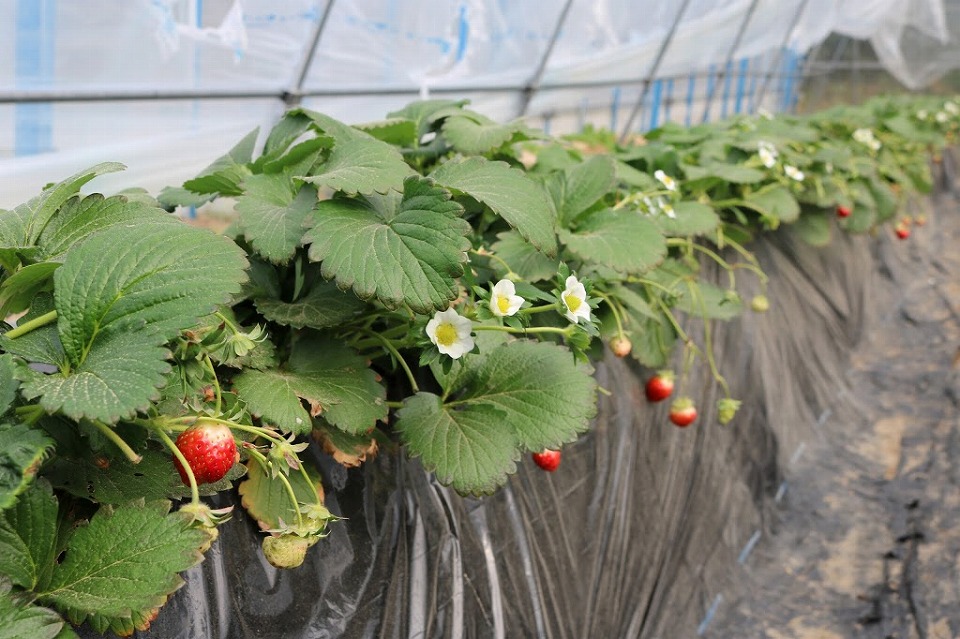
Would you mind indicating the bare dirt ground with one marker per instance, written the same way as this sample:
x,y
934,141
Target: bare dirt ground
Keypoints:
x,y
868,539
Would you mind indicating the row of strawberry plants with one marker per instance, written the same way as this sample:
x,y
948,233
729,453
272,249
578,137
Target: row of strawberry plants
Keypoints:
x,y
435,280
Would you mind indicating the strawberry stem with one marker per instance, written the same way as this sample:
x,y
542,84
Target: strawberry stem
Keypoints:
x,y
396,354
216,383
112,435
36,322
613,309
288,488
194,491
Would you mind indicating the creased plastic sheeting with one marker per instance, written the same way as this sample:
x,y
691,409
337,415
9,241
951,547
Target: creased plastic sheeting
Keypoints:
x,y
636,535
418,47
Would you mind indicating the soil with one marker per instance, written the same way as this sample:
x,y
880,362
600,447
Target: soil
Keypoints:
x,y
867,539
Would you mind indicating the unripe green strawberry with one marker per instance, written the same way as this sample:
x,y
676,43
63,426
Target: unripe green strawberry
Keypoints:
x,y
760,304
727,409
286,551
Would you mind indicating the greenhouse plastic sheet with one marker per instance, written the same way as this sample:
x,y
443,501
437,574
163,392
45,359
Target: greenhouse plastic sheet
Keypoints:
x,y
642,532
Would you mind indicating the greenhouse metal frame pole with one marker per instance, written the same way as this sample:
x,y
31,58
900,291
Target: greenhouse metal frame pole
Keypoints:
x,y
292,97
651,74
533,85
733,50
762,91
24,96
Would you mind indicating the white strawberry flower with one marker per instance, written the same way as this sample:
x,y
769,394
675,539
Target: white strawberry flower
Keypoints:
x,y
665,180
504,300
664,206
768,154
865,137
922,114
951,108
451,333
763,113
574,298
793,172
941,117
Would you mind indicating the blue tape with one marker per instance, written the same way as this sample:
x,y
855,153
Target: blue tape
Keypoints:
x,y
34,52
727,80
655,98
614,108
691,87
741,85
668,101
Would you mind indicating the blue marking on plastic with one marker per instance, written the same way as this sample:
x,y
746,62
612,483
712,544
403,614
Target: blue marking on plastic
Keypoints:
x,y
655,97
463,33
798,453
711,612
752,91
741,85
711,83
748,548
668,101
691,86
614,108
727,81
34,51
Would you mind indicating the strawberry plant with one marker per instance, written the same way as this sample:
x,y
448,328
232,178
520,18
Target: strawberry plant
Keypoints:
x,y
436,281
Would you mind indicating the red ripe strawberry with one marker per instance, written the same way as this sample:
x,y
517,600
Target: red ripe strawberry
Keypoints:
x,y
210,450
902,231
549,460
660,386
683,412
843,211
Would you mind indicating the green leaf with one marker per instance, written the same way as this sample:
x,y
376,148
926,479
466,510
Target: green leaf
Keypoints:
x,y
885,199
120,296
271,215
526,261
585,184
735,173
653,341
333,380
18,290
622,240
173,196
708,301
358,163
301,157
424,112
395,131
22,226
691,218
291,126
508,192
472,450
399,250
20,619
120,482
228,171
520,396
266,499
41,345
28,536
814,227
123,566
361,166
80,218
8,383
22,449
323,307
777,203
474,134
632,177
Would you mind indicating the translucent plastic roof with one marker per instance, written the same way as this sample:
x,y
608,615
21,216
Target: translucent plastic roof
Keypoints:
x,y
166,85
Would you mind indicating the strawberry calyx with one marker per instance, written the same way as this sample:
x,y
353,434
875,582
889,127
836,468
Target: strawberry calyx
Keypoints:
x,y
727,408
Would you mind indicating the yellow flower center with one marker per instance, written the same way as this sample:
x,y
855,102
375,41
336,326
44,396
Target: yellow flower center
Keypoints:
x,y
503,303
446,334
573,302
